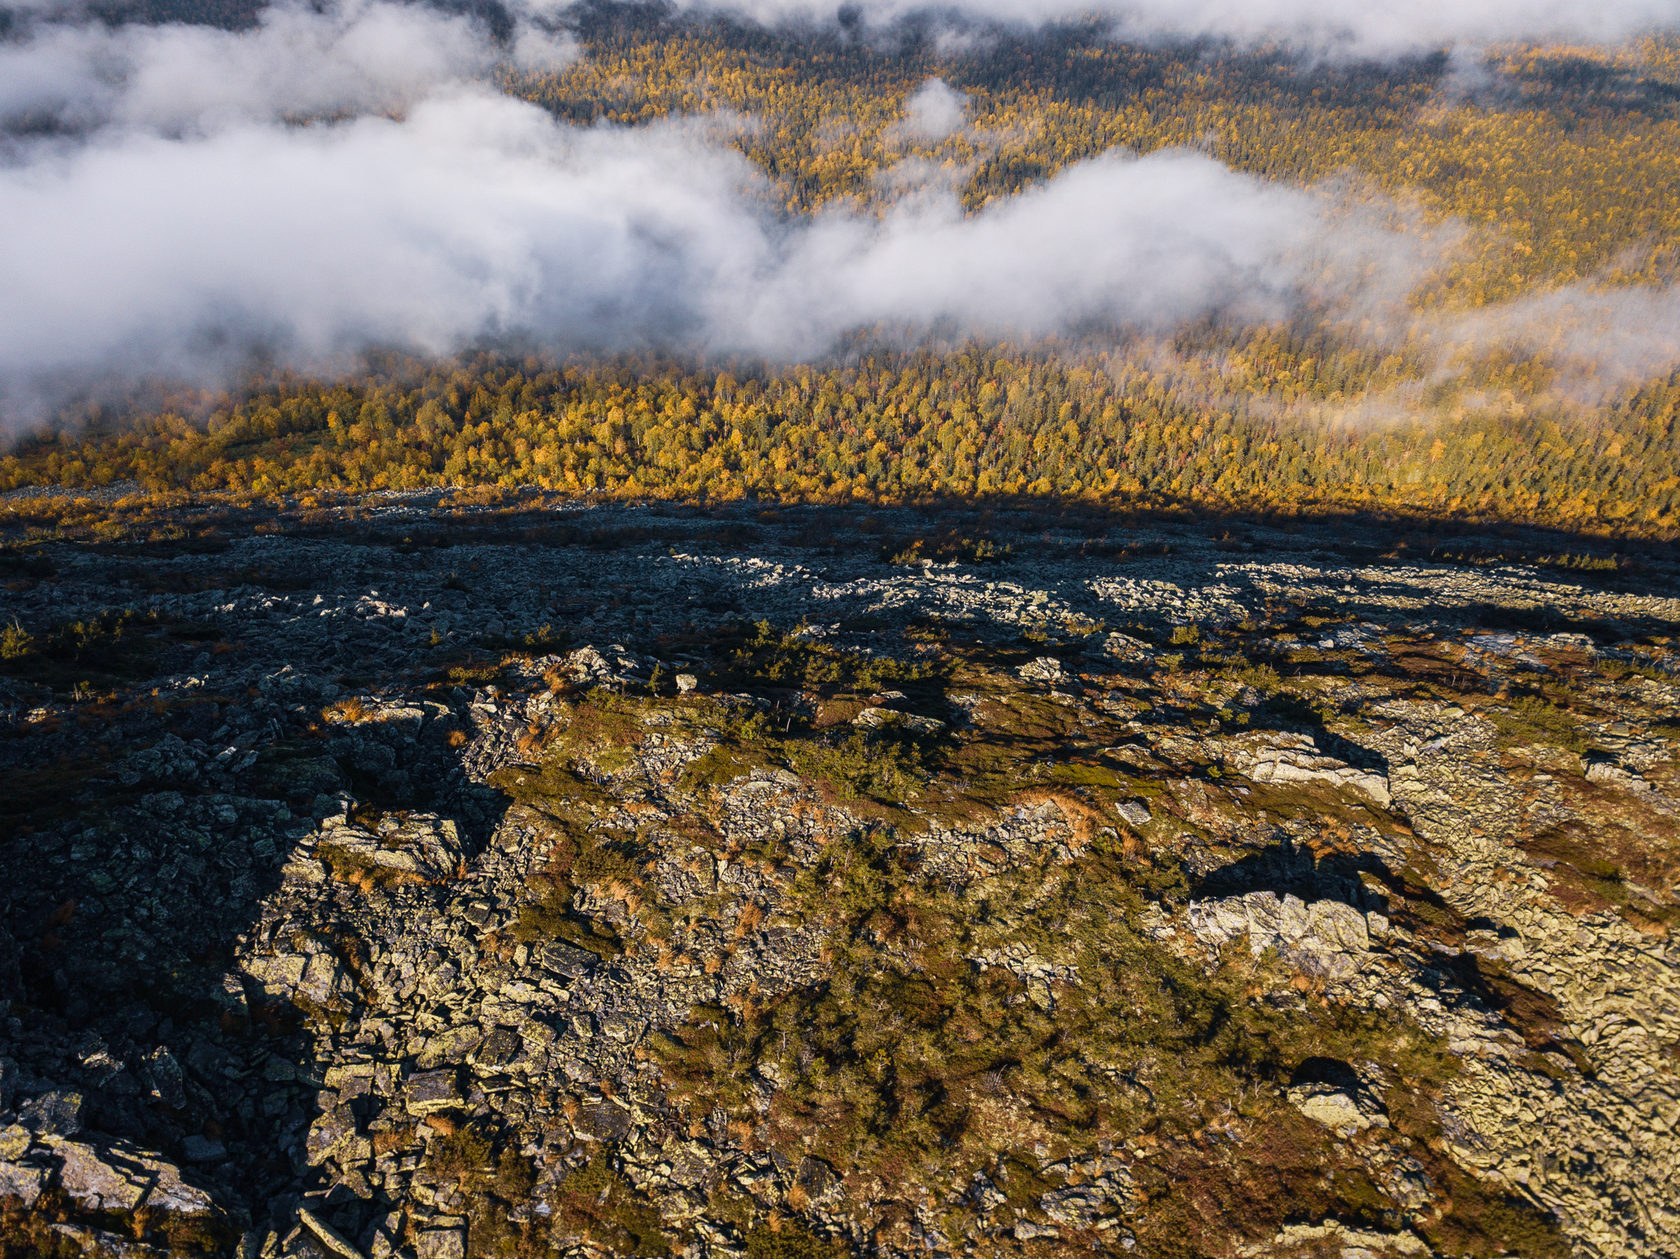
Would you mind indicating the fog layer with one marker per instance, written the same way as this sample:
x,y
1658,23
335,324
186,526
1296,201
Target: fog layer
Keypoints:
x,y
1359,28
477,214
167,212
352,58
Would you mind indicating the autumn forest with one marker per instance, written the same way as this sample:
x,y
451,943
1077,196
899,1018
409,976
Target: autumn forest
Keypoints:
x,y
1522,185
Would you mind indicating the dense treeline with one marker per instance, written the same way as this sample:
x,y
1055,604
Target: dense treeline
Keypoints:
x,y
889,426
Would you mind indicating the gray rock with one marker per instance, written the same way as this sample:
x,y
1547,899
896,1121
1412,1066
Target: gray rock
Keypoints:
x,y
1327,937
325,981
602,1121
163,1073
58,1112
169,1192
21,1185
565,960
892,718
14,1142
499,1048
1134,812
819,1180
329,1237
1046,671
330,1133
1333,1107
588,667
432,1091
107,1245
441,1243
89,1181
277,976
201,1149
1296,760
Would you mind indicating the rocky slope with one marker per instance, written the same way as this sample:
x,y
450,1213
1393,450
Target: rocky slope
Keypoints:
x,y
408,879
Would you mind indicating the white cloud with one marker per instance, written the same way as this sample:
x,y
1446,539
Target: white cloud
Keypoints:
x,y
188,222
474,213
354,57
477,214
59,73
1599,339
1366,28
933,111
539,50
1151,242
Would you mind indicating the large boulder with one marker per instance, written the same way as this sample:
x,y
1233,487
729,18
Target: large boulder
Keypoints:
x,y
1296,759
1325,937
120,1177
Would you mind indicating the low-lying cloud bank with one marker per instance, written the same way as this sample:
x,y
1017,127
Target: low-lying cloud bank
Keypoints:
x,y
357,57
165,214
476,214
1356,28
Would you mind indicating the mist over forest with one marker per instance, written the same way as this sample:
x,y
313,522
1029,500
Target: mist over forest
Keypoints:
x,y
1466,204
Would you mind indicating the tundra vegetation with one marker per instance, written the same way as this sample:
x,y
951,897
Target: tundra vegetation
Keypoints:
x,y
1109,889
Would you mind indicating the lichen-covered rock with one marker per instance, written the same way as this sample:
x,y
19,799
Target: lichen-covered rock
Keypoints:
x,y
21,1184
402,949
431,1091
1346,1109
1325,937
1297,760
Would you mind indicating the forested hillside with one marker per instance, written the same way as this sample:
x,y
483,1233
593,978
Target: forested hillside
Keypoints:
x,y
901,427
1539,185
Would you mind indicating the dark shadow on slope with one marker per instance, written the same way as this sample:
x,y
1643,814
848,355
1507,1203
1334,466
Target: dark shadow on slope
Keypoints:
x,y
141,844
1447,941
1287,868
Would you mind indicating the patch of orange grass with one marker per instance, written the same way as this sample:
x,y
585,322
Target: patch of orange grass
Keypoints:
x,y
352,709
751,915
1083,817
385,1142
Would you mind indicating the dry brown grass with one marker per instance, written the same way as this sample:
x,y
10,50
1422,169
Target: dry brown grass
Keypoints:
x,y
351,710
362,880
751,916
386,1142
1083,818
